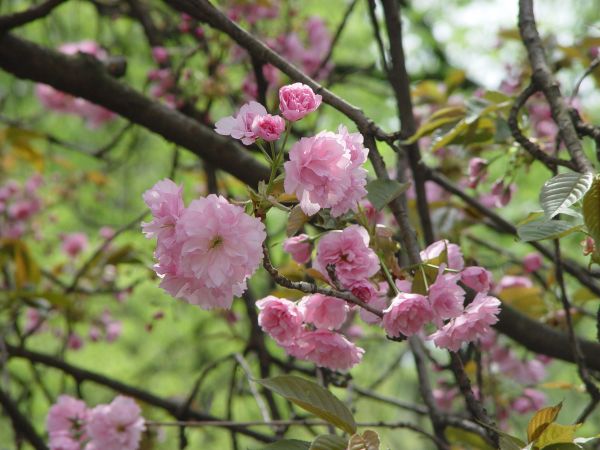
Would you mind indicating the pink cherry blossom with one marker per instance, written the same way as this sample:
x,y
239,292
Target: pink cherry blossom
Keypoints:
x,y
66,423
326,349
446,297
116,426
363,289
160,55
503,193
280,318
268,127
588,246
323,311
530,401
454,255
240,125
379,303
512,281
73,244
407,314
444,397
532,262
297,100
474,323
299,247
477,278
324,171
165,201
349,252
219,248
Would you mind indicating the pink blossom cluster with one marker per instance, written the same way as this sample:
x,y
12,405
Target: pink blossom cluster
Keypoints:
x,y
72,425
205,252
443,306
325,171
105,327
189,25
252,11
163,84
253,122
58,101
307,53
18,204
307,330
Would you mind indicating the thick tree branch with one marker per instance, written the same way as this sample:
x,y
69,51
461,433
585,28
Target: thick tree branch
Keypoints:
x,y
21,424
544,79
534,150
400,82
21,18
80,375
85,77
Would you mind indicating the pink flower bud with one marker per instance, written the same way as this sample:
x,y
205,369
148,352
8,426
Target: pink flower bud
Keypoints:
x,y
160,55
532,262
297,100
299,247
268,127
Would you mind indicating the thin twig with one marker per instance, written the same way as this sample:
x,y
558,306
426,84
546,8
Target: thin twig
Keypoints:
x,y
21,18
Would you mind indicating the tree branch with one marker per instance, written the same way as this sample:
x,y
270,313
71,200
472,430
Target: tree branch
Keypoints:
x,y
21,424
81,375
544,79
21,18
85,77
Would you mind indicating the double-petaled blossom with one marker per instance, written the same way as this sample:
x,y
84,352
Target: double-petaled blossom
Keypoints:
x,y
240,125
348,251
407,314
323,311
116,426
326,349
454,256
324,171
66,423
477,278
205,252
446,297
297,100
280,318
268,127
299,247
473,324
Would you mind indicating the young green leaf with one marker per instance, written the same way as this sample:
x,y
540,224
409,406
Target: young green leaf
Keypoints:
x,y
313,398
562,191
552,229
369,440
329,442
540,421
381,192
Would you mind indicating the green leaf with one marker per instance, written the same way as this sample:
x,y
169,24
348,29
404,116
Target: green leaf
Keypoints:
x,y
381,192
562,191
591,210
439,119
553,229
288,444
313,398
369,440
508,442
296,221
557,434
540,421
329,442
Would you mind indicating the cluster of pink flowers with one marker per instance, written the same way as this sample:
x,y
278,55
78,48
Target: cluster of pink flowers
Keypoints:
x,y
163,85
58,101
252,12
325,171
18,204
443,305
115,426
252,121
308,54
206,252
307,330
